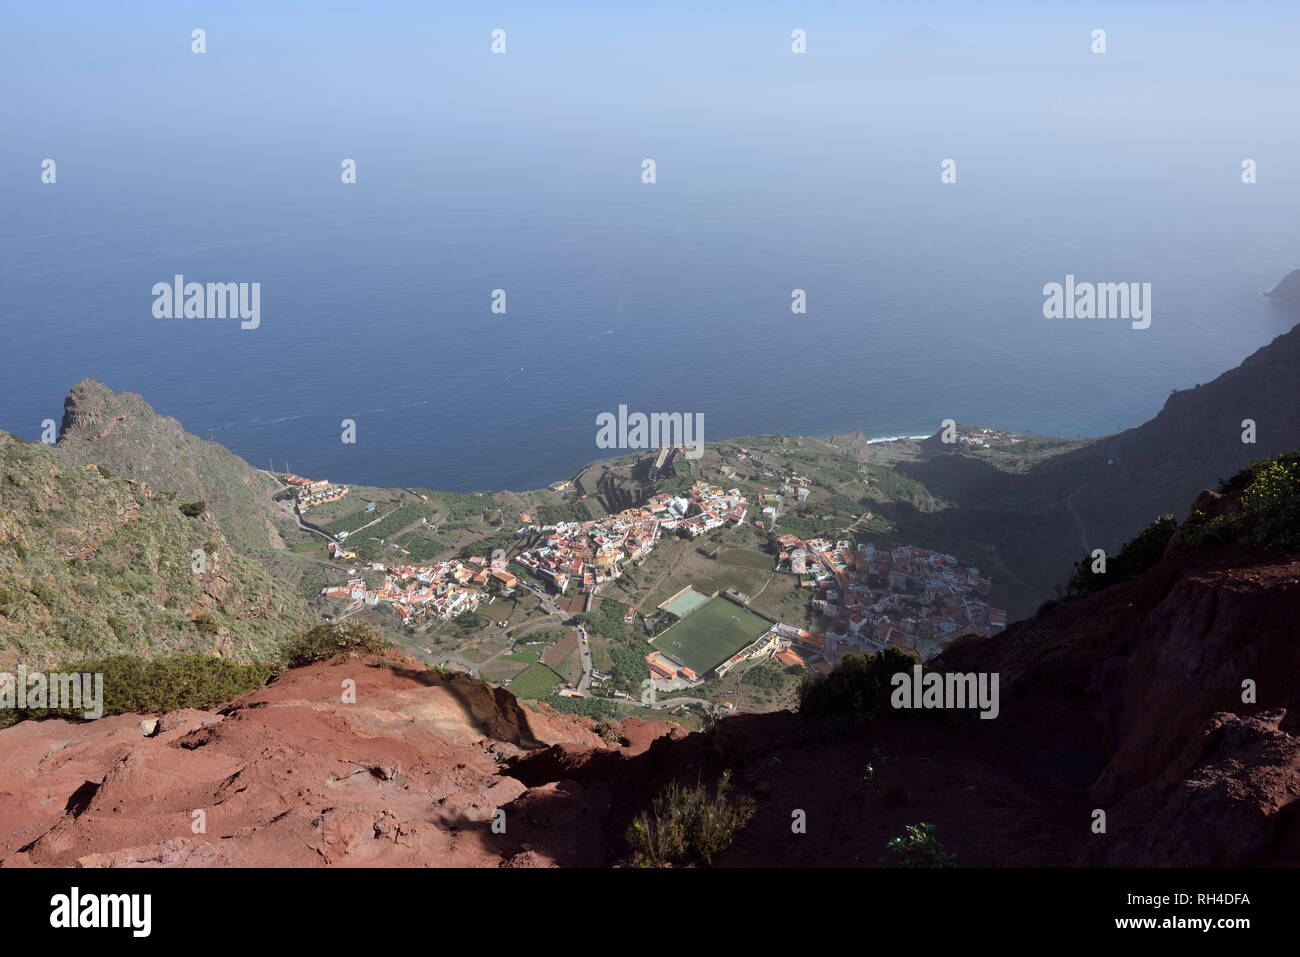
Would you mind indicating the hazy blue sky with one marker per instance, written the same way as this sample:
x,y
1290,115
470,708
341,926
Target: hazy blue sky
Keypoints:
x,y
711,90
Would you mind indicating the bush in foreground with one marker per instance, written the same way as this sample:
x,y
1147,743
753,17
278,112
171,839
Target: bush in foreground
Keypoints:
x,y
163,684
917,847
334,638
688,825
1133,560
858,687
1268,492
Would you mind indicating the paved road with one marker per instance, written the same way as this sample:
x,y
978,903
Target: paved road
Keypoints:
x,y
292,511
672,702
548,604
585,681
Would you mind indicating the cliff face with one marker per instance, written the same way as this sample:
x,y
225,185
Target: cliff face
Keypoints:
x,y
123,433
1106,492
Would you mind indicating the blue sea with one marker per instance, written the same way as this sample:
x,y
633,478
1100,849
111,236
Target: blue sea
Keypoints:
x,y
924,300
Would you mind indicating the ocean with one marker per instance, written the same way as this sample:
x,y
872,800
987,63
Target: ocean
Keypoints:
x,y
379,310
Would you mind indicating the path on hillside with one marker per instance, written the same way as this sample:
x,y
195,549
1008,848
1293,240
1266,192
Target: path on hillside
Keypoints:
x,y
1113,459
1078,519
770,576
307,528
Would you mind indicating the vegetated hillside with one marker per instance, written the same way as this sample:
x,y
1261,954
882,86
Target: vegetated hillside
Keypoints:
x,y
94,564
1101,495
123,433
1128,701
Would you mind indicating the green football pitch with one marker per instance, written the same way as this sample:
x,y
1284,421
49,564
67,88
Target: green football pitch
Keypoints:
x,y
684,602
710,635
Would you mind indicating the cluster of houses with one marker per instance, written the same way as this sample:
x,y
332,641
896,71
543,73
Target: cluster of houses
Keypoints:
x,y
983,438
442,591
901,597
717,508
593,552
589,552
315,491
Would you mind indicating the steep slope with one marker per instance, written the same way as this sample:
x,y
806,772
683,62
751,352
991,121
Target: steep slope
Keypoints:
x,y
1101,495
123,433
94,564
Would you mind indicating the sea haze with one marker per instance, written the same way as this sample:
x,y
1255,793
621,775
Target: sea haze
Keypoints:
x,y
522,172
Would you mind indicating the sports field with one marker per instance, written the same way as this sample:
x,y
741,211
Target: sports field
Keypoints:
x,y
684,602
710,635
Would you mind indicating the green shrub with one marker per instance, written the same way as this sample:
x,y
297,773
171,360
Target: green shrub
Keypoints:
x,y
1133,560
858,686
590,707
193,509
163,684
1270,504
628,668
334,638
688,825
917,847
1202,532
1268,492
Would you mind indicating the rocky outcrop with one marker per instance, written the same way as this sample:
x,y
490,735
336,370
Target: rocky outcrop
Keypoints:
x,y
410,774
1288,290
121,432
1231,800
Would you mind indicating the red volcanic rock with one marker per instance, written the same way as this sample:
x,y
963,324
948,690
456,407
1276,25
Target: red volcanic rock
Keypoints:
x,y
1234,805
287,775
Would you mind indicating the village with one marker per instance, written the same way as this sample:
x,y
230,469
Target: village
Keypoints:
x,y
592,552
902,597
442,590
869,597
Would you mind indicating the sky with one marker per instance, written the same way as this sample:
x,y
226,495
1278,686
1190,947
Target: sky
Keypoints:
x,y
411,90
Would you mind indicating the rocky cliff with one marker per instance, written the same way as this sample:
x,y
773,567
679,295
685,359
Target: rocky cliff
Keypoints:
x,y
123,433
